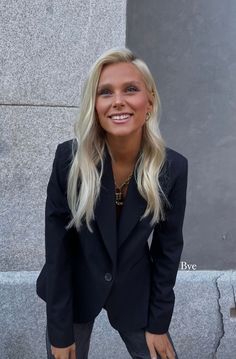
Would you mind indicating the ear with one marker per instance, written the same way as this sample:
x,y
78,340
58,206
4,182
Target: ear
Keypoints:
x,y
150,106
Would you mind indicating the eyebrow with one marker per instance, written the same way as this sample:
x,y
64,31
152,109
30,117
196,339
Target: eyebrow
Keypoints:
x,y
124,84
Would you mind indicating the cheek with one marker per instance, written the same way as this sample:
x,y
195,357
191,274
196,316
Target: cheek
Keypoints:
x,y
100,108
142,105
100,113
97,107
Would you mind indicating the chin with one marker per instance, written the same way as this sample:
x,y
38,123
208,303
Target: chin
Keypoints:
x,y
119,133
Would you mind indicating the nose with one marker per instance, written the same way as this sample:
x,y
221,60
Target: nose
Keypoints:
x,y
118,100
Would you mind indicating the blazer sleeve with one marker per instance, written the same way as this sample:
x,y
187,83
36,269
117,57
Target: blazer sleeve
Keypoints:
x,y
59,301
166,249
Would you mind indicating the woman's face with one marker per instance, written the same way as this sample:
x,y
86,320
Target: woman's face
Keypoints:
x,y
122,100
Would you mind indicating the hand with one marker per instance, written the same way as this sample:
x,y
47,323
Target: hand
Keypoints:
x,y
159,344
64,353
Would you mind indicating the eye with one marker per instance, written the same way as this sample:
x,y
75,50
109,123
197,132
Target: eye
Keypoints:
x,y
132,89
104,92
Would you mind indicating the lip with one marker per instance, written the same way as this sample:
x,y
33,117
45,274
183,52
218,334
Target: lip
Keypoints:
x,y
117,117
121,121
120,114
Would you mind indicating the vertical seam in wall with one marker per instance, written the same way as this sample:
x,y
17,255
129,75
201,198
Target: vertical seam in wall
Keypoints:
x,y
234,296
220,316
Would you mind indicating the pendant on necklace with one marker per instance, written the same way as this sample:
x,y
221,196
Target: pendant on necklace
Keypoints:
x,y
119,197
118,191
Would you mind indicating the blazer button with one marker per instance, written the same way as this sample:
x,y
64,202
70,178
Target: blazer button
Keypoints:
x,y
108,277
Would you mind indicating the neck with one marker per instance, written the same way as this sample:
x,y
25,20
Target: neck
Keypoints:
x,y
124,150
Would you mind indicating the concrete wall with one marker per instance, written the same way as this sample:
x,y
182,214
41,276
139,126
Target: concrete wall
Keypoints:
x,y
191,49
201,326
46,49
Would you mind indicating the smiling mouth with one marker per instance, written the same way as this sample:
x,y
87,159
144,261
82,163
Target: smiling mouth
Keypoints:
x,y
120,118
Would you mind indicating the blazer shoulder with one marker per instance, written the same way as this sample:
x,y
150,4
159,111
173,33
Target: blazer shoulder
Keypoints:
x,y
175,166
173,155
67,148
65,153
62,161
176,161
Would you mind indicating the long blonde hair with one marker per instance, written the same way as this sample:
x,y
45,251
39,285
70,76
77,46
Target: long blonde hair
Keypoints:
x,y
84,180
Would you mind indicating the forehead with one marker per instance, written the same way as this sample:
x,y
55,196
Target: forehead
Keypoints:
x,y
120,72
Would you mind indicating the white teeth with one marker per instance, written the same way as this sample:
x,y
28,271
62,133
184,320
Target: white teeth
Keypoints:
x,y
119,117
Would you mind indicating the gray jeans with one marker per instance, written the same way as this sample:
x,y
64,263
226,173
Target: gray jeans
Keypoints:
x,y
135,342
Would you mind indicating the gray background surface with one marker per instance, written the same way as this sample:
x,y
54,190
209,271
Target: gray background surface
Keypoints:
x,y
200,327
190,47
47,48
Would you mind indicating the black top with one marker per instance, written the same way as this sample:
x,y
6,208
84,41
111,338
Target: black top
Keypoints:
x,y
118,213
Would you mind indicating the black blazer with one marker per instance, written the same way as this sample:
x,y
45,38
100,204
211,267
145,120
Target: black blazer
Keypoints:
x,y
112,268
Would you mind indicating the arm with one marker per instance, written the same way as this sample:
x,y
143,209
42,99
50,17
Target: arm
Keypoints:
x,y
58,243
166,249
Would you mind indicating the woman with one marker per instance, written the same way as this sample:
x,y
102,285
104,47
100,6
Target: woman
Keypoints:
x,y
110,188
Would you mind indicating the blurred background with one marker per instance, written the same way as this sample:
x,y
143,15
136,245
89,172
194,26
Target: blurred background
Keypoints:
x,y
190,48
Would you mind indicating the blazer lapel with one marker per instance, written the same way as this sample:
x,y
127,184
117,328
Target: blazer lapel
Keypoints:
x,y
135,205
105,210
133,208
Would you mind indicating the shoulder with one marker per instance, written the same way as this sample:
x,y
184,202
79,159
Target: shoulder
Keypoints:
x,y
63,159
66,148
175,168
65,153
176,161
175,158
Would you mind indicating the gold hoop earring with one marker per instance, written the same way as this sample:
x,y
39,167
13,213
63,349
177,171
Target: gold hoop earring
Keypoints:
x,y
148,115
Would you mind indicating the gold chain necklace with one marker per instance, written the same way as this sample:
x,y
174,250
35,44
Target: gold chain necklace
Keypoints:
x,y
118,191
